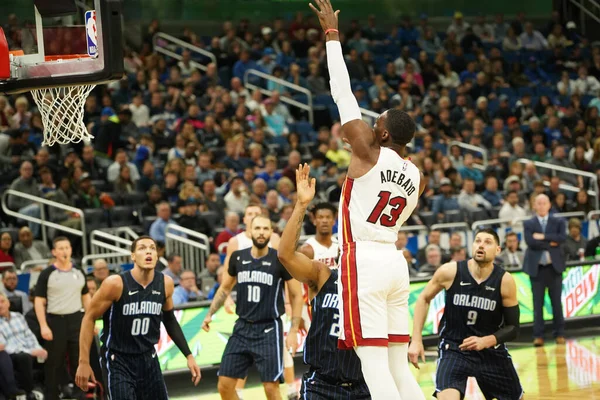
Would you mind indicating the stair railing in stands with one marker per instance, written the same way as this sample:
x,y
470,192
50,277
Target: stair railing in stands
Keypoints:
x,y
43,221
172,41
306,107
470,147
105,243
589,8
193,249
556,168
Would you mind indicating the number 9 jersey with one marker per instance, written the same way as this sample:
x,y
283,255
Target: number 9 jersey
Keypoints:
x,y
374,206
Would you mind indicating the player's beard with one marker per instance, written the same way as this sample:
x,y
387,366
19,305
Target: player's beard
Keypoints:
x,y
259,245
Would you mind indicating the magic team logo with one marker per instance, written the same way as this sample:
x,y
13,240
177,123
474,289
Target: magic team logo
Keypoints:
x,y
579,287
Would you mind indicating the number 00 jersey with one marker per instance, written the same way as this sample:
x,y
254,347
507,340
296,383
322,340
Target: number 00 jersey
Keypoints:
x,y
374,206
321,347
259,285
132,324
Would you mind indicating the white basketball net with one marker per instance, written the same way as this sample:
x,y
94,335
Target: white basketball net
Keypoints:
x,y
62,113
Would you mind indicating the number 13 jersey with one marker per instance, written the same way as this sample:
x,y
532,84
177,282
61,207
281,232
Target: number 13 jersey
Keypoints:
x,y
374,206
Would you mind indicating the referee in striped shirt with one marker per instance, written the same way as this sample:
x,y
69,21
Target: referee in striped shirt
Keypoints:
x,y
60,297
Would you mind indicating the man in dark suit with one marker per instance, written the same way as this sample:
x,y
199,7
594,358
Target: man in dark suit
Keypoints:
x,y
544,263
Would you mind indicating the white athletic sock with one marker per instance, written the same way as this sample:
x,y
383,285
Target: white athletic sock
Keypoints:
x,y
240,393
405,381
379,378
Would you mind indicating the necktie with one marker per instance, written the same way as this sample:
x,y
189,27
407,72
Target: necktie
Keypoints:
x,y
544,225
546,255
515,259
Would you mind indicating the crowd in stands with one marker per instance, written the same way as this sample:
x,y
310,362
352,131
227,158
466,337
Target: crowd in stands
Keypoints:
x,y
178,145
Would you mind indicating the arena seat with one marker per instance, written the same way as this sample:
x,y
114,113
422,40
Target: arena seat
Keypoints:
x,y
212,218
428,218
95,218
123,216
135,199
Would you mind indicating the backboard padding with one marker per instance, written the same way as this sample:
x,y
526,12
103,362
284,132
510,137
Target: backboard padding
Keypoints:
x,y
31,71
55,8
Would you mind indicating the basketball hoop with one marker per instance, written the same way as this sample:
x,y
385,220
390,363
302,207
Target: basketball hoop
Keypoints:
x,y
62,110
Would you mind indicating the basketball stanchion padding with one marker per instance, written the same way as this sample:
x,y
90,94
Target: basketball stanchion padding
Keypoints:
x,y
4,56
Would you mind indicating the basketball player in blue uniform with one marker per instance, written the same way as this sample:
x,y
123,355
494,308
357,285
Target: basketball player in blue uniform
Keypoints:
x,y
132,305
481,314
258,333
333,374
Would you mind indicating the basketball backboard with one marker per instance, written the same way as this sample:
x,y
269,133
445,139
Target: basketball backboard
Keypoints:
x,y
60,43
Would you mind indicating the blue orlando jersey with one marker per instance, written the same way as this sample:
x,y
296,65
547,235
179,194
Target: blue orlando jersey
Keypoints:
x,y
321,347
472,309
259,285
132,324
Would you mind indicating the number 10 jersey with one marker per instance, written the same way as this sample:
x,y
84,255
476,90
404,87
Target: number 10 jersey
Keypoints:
x,y
259,285
374,206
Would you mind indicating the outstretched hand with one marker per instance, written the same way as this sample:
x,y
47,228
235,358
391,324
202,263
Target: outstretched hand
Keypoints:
x,y
305,185
327,17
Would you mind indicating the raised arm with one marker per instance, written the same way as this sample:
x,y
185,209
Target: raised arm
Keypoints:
x,y
313,273
109,292
355,131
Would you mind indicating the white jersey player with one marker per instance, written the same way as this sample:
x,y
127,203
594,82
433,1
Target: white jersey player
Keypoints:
x,y
323,246
380,193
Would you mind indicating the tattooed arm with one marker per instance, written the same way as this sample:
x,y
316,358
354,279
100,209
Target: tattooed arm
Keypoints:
x,y
227,283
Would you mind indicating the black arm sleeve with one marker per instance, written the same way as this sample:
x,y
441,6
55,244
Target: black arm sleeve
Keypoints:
x,y
510,330
174,330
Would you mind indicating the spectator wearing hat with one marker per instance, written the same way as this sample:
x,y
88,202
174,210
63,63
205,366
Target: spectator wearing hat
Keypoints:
x,y
191,219
458,26
504,110
445,201
575,244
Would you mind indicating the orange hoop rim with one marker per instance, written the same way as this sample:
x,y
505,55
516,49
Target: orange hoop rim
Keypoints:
x,y
66,57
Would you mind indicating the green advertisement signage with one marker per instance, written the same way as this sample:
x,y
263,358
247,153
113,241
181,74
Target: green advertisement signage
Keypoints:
x,y
580,297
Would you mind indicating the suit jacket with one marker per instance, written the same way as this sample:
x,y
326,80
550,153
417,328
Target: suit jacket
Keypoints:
x,y
556,231
22,254
506,260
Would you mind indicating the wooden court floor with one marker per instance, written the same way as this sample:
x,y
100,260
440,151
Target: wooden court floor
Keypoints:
x,y
552,372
